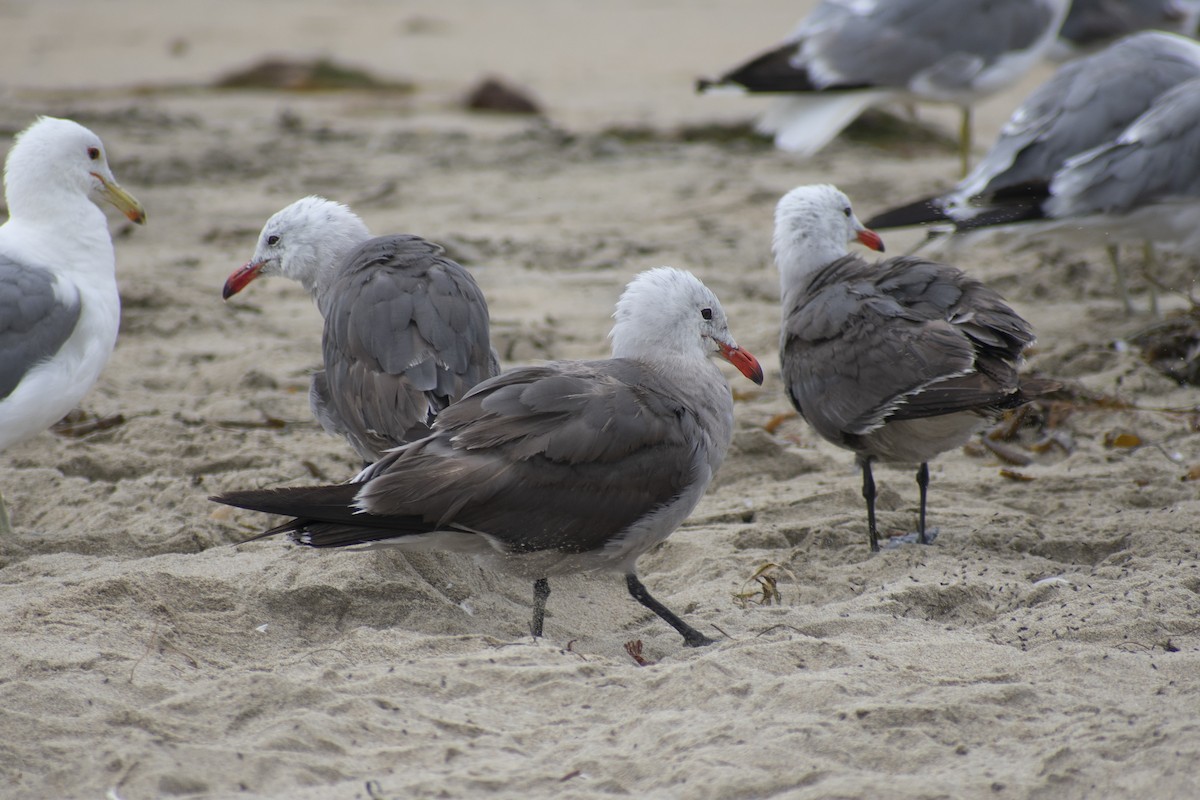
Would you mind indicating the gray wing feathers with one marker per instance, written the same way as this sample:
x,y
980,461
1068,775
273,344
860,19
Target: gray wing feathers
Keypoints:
x,y
406,334
1085,103
605,429
318,401
34,323
1156,159
866,340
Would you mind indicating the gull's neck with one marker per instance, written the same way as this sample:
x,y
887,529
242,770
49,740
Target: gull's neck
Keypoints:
x,y
47,226
801,250
324,263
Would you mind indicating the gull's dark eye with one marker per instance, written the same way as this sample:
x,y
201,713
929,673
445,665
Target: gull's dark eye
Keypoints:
x,y
93,153
847,212
706,313
272,239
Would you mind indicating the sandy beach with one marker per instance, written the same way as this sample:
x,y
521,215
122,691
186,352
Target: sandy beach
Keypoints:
x,y
1047,645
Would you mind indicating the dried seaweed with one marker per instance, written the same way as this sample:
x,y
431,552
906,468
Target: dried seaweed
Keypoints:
x,y
1172,346
767,591
634,648
80,423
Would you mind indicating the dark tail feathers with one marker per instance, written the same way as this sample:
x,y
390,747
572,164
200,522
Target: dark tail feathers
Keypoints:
x,y
324,516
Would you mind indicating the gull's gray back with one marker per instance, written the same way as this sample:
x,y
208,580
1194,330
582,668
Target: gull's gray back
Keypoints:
x,y
406,334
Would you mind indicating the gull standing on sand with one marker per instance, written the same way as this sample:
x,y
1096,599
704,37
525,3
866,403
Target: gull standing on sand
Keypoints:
x,y
567,467
406,328
897,360
59,307
849,55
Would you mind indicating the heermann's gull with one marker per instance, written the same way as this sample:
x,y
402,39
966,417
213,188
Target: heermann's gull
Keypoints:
x,y
898,360
848,56
406,328
59,308
1046,171
568,467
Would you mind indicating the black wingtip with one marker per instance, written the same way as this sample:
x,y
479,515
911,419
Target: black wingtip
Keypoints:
x,y
1005,214
919,212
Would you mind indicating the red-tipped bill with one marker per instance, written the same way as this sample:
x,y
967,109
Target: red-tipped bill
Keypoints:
x,y
238,280
871,239
746,364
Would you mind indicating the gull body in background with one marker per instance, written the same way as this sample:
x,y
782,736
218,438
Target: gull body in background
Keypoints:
x,y
897,360
1095,23
406,328
1144,185
850,55
1092,102
568,467
59,307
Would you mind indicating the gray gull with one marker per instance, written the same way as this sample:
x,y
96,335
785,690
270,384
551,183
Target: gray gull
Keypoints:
x,y
571,466
849,55
897,360
406,328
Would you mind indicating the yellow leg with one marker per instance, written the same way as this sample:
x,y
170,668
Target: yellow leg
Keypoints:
x,y
1114,258
964,142
1150,272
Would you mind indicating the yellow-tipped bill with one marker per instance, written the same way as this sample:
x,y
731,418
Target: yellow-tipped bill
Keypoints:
x,y
126,203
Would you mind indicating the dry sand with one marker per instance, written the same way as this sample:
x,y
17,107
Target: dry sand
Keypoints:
x,y
1047,645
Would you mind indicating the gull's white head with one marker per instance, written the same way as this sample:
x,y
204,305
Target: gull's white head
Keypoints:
x,y
55,160
667,310
306,241
813,226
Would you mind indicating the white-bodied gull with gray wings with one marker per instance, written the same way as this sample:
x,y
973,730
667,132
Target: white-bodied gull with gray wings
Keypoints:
x,y
572,466
406,328
59,307
897,360
849,55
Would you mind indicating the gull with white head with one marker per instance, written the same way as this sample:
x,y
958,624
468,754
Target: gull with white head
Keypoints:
x,y
896,360
572,466
406,328
59,308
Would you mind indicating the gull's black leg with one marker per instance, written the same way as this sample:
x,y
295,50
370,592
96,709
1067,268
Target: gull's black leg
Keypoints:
x,y
541,591
923,485
691,636
869,495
